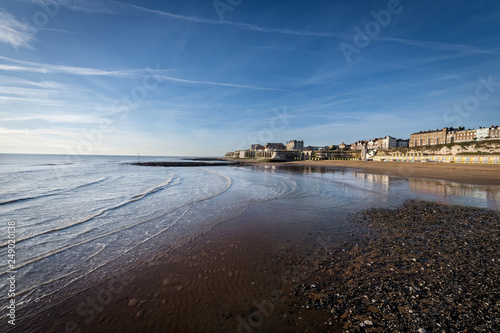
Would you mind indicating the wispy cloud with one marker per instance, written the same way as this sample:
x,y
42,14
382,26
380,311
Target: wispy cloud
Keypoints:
x,y
63,31
212,83
86,6
251,27
14,32
54,69
34,67
9,80
8,131
438,45
244,26
56,118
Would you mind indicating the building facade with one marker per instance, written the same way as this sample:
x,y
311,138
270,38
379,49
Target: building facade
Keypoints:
x,y
256,147
483,133
435,137
389,142
402,143
274,146
453,135
495,132
295,145
372,144
465,135
359,145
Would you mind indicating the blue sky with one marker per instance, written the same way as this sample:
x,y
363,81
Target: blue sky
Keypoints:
x,y
207,77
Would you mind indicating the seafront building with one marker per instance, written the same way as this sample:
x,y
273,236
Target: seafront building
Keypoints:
x,y
453,135
270,146
387,142
432,137
295,149
402,143
343,146
295,145
494,133
256,147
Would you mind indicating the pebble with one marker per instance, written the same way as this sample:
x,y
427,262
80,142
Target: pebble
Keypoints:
x,y
424,267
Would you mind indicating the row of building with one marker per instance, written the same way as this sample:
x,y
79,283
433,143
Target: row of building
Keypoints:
x,y
387,142
422,138
431,138
453,135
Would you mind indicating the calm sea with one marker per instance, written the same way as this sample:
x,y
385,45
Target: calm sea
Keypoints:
x,y
82,215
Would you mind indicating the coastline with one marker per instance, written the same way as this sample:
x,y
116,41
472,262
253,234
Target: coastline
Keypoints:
x,y
474,174
420,265
269,272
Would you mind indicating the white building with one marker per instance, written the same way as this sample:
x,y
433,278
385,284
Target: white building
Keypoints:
x,y
389,142
482,133
295,145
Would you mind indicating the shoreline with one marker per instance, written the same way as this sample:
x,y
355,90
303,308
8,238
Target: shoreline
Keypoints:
x,y
280,269
419,265
472,174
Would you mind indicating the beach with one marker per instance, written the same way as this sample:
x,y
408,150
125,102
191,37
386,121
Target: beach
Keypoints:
x,y
422,266
336,250
479,174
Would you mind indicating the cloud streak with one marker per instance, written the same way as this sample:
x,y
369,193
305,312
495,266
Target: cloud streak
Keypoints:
x,y
439,45
222,84
251,27
107,8
14,32
34,67
243,26
85,6
56,118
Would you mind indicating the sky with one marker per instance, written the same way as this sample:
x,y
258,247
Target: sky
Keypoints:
x,y
201,78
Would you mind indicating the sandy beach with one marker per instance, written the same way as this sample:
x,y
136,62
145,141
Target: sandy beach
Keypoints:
x,y
417,267
478,174
421,266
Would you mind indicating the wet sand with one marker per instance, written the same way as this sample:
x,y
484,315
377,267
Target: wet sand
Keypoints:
x,y
233,278
478,174
420,266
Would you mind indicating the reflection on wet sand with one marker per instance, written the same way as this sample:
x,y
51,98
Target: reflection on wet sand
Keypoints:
x,y
300,169
373,178
490,194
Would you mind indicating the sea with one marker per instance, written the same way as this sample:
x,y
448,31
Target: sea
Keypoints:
x,y
79,217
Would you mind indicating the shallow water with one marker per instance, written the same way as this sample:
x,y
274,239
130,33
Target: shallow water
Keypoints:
x,y
77,216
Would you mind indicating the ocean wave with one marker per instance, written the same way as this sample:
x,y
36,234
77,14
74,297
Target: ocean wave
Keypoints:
x,y
53,164
54,192
99,213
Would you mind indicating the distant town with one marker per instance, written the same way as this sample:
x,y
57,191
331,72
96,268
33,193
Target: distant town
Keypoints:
x,y
295,149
